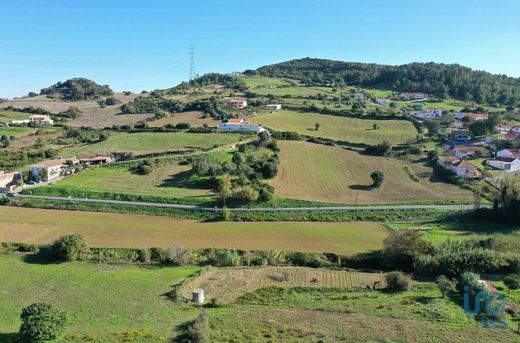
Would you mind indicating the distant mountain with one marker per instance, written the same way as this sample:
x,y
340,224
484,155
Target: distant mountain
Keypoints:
x,y
77,89
438,79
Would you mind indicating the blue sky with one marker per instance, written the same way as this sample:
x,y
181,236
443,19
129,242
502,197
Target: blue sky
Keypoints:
x,y
136,45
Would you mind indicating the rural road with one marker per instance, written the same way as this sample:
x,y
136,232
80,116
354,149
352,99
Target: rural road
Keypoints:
x,y
257,209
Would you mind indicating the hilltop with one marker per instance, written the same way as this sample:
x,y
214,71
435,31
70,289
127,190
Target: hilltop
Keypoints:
x,y
441,80
77,89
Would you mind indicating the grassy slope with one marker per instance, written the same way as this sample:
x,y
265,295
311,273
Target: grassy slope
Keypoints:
x,y
323,173
7,116
258,81
146,142
168,179
16,131
100,299
194,118
339,128
130,230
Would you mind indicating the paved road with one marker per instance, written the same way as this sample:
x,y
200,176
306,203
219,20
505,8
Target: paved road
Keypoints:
x,y
253,209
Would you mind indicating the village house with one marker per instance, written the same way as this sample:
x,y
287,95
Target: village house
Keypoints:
x,y
359,96
40,119
97,160
461,168
413,96
8,180
462,136
474,116
429,114
464,152
274,107
508,153
234,124
240,103
51,169
506,159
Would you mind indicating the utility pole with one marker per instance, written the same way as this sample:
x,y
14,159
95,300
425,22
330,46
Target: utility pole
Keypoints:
x,y
191,51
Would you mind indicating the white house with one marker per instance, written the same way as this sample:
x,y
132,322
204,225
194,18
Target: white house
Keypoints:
x,y
50,170
240,103
429,114
461,168
508,153
359,96
274,107
41,119
8,180
464,152
413,96
462,136
506,164
240,125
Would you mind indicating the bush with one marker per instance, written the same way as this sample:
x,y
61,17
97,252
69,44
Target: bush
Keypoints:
x,y
398,282
180,256
198,330
512,281
42,321
69,248
223,258
445,285
312,260
470,280
377,177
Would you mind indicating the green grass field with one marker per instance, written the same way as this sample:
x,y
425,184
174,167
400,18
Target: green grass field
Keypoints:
x,y
101,300
168,179
295,91
147,142
138,231
258,81
16,131
323,173
340,128
7,116
127,303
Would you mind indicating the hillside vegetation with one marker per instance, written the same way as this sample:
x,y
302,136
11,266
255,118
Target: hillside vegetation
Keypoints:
x,y
438,79
77,89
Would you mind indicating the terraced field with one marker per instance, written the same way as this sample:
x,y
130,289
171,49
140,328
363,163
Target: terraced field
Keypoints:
x,y
324,173
16,131
147,142
227,284
294,91
351,130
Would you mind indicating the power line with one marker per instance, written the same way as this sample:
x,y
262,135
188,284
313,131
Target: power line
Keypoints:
x,y
192,62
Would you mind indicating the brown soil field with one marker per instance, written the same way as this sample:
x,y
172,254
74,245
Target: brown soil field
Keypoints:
x,y
100,229
227,284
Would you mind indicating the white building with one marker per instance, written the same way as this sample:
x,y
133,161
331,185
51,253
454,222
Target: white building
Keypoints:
x,y
429,114
464,152
506,164
475,116
240,103
50,170
274,107
461,168
508,153
359,96
240,125
41,119
8,180
413,96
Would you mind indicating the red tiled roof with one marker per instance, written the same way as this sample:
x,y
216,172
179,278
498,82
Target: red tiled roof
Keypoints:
x,y
234,121
464,164
464,149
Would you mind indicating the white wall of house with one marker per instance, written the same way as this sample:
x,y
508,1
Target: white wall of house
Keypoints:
x,y
462,155
505,154
240,127
53,172
503,165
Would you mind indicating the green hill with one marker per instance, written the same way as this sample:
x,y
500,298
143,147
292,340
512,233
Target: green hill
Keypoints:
x,y
441,80
77,89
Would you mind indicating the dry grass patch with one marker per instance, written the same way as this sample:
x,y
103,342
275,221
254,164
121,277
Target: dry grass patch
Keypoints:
x,y
138,231
227,284
324,173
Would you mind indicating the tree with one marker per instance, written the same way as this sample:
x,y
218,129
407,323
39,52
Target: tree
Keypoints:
x,y
398,282
377,177
317,126
225,187
509,197
69,248
42,321
478,128
512,281
445,285
375,126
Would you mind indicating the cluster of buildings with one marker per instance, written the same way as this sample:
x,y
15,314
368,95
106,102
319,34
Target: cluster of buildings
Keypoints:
x,y
237,125
413,96
50,170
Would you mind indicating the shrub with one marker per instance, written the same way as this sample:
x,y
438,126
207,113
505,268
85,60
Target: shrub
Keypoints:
x,y
512,281
180,256
312,260
145,256
198,330
182,126
398,282
42,321
377,177
223,258
445,285
470,280
69,248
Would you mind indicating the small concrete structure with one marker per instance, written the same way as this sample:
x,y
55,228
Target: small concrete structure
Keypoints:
x,y
197,296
